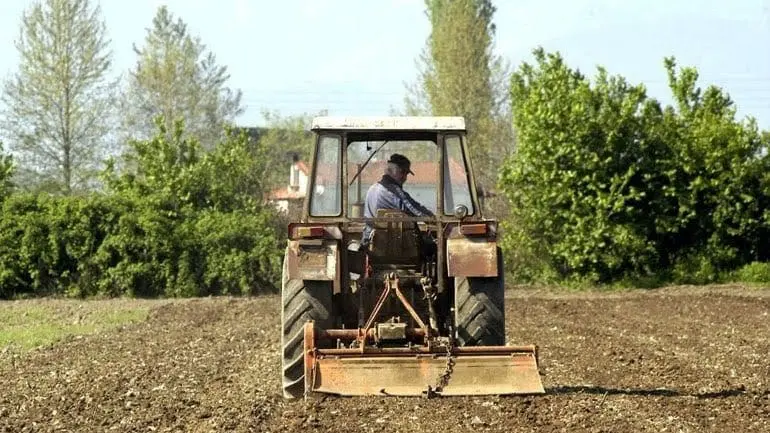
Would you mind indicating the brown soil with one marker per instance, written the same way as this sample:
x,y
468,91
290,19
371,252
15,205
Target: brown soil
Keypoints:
x,y
679,359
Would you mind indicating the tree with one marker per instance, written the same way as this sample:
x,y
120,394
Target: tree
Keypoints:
x,y
6,172
459,75
176,78
575,180
715,186
606,184
185,229
284,138
59,103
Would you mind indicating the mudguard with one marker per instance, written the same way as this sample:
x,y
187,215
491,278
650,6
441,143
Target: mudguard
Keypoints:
x,y
313,259
471,257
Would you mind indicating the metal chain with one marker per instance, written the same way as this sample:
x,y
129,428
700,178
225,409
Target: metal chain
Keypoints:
x,y
443,379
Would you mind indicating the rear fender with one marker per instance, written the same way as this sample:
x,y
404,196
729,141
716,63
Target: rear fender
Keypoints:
x,y
314,259
471,255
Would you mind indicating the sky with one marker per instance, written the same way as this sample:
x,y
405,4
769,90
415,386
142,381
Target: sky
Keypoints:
x,y
353,57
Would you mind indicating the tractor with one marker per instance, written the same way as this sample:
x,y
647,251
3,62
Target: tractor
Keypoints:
x,y
376,314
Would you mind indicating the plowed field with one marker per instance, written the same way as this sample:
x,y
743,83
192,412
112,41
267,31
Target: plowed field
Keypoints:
x,y
679,360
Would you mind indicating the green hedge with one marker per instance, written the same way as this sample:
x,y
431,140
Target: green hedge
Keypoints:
x,y
607,185
97,245
178,223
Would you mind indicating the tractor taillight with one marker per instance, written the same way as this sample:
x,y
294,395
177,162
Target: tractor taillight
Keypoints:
x,y
473,229
310,232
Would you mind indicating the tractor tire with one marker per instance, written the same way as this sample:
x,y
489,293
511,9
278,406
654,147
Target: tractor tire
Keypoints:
x,y
301,301
480,309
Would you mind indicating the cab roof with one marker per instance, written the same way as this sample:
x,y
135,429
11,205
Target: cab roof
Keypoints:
x,y
390,123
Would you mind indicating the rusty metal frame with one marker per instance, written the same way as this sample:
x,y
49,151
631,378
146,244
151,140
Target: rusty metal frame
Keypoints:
x,y
391,285
372,351
412,334
338,370
440,213
297,248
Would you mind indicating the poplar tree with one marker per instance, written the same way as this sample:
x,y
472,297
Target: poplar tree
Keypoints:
x,y
58,106
176,77
6,171
459,75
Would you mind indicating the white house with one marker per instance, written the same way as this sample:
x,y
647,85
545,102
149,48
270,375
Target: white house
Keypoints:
x,y
296,189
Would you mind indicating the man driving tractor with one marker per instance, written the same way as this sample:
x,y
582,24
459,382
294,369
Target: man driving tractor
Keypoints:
x,y
389,193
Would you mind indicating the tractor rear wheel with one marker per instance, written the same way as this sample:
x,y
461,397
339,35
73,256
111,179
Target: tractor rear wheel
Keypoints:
x,y
479,309
301,301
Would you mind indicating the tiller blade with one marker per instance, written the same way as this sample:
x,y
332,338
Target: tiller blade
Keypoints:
x,y
417,370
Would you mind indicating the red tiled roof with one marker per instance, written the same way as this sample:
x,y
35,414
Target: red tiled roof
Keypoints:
x,y
303,167
425,172
285,193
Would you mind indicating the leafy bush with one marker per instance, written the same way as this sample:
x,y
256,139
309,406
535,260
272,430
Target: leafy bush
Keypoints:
x,y
47,244
606,185
176,223
754,272
694,268
576,176
199,226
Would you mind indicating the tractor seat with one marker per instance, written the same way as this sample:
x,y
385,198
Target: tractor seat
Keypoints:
x,y
394,242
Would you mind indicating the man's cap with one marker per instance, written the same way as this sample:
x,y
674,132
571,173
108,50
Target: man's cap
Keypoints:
x,y
401,161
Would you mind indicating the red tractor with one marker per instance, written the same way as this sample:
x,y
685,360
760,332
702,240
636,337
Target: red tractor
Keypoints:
x,y
379,316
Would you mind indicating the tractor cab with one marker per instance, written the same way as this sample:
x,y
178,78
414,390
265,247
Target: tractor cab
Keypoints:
x,y
351,155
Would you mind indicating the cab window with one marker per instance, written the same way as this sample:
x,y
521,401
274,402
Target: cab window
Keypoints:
x,y
457,189
326,198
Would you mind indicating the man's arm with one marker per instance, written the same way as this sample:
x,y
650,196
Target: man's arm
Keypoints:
x,y
400,199
412,206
